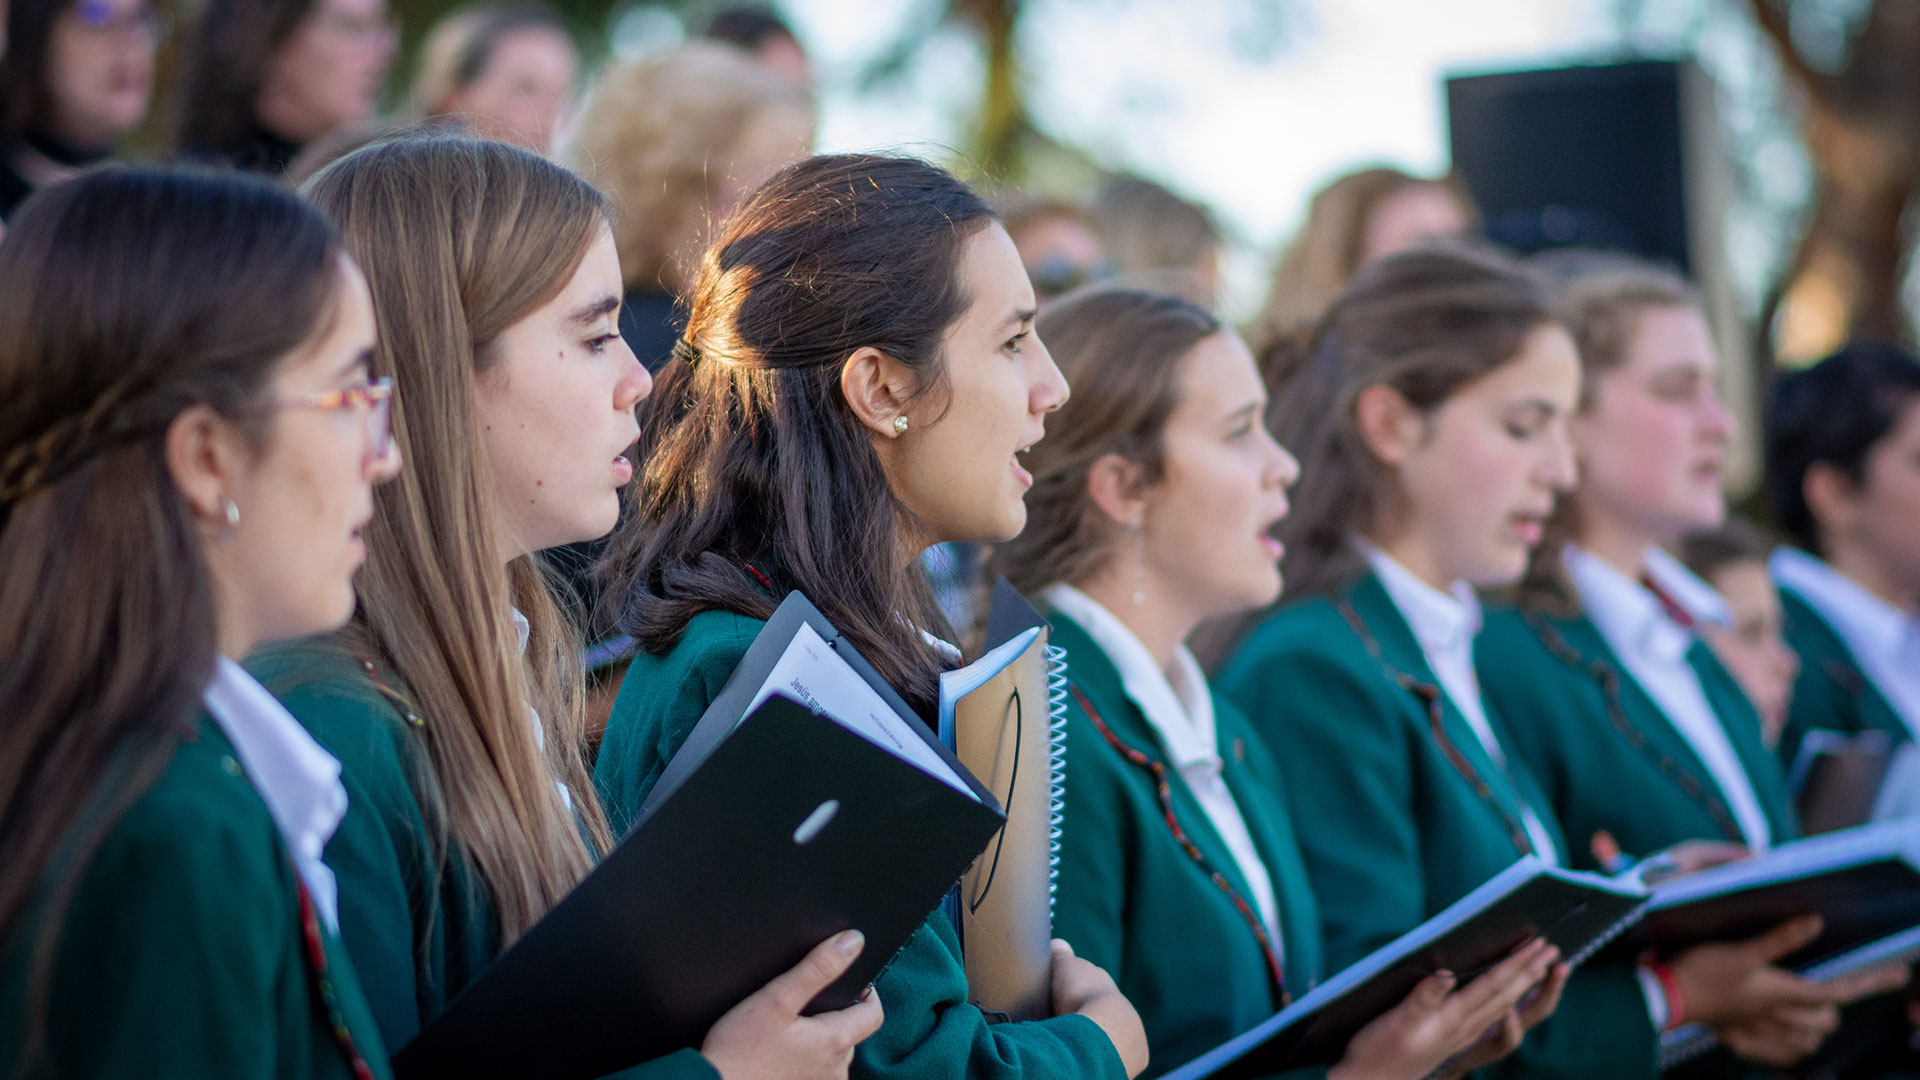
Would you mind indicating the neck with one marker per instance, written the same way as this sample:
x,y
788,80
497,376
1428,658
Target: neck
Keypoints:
x,y
284,118
1615,543
1855,561
1418,560
1160,622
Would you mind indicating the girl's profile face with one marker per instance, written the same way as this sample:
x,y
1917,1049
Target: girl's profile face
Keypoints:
x,y
1653,444
1752,646
288,564
1207,524
1481,481
556,411
957,468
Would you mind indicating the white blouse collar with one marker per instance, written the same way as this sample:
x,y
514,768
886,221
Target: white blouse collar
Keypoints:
x,y
1180,708
297,779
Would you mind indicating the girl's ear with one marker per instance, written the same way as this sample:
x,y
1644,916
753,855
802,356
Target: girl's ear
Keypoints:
x,y
1833,497
203,458
1119,488
877,387
1389,424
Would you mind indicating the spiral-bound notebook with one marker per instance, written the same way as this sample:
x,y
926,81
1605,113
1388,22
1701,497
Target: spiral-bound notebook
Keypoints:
x,y
1004,716
1577,912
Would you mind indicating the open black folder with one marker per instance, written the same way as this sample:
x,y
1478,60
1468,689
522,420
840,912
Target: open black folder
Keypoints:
x,y
765,836
1576,912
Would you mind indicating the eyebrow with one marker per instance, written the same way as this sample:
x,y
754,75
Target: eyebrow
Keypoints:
x,y
592,312
1250,409
1021,317
361,359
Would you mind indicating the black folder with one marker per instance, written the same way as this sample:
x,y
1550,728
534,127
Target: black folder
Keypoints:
x,y
1577,912
780,831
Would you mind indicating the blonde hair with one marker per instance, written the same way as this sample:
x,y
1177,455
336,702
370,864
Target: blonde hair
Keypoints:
x,y
650,136
1323,257
459,240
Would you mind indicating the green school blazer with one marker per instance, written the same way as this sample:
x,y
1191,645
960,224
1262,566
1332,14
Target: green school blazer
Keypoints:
x,y
1831,691
1605,754
415,914
931,1032
1391,831
1134,901
181,953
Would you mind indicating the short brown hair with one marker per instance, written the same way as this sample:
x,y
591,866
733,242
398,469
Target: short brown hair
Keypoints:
x,y
1120,350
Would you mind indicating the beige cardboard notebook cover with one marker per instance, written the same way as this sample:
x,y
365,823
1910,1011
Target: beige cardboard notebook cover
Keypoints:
x,y
1008,733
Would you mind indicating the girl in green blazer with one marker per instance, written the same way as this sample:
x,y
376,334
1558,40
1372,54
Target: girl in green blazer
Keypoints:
x,y
1155,496
1638,737
857,380
185,461
1842,442
1431,409
453,700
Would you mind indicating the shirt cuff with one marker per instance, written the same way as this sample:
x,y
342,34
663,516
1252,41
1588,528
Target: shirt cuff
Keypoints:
x,y
1655,994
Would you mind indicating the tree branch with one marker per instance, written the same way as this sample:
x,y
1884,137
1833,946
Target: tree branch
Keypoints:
x,y
1771,17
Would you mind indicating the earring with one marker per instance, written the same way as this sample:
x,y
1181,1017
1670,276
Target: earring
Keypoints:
x,y
1139,564
900,425
231,511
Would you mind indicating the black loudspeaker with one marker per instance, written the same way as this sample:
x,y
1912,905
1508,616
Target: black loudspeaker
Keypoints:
x,y
1595,157
1626,157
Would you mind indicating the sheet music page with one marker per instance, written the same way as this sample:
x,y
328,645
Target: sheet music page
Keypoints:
x,y
813,674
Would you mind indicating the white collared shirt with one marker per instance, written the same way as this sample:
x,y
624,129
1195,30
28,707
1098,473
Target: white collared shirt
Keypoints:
x,y
1444,625
523,630
297,779
1884,640
1654,649
1180,710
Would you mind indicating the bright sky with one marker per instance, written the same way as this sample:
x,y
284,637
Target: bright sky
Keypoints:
x,y
1160,87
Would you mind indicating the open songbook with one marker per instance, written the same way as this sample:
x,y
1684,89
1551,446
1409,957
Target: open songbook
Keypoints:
x,y
1577,912
809,799
1864,882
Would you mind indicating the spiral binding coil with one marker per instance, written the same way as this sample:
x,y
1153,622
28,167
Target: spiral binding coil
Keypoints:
x,y
1056,764
1627,921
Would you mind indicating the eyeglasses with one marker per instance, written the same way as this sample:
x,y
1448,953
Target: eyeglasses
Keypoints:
x,y
376,397
360,28
141,20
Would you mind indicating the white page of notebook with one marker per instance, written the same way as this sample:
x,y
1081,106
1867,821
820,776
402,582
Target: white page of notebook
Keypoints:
x,y
960,682
813,674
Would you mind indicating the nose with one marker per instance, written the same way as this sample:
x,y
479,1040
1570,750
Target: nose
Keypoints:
x,y
634,384
1050,390
1560,469
1716,421
1286,467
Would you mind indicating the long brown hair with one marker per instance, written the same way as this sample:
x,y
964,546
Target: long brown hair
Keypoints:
x,y
1425,323
107,618
1121,351
756,466
1603,295
460,239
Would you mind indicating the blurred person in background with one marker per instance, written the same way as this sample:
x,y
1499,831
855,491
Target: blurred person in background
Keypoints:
x,y
1355,219
1158,240
1751,644
1842,453
766,37
676,142
77,83
1058,242
265,78
505,72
